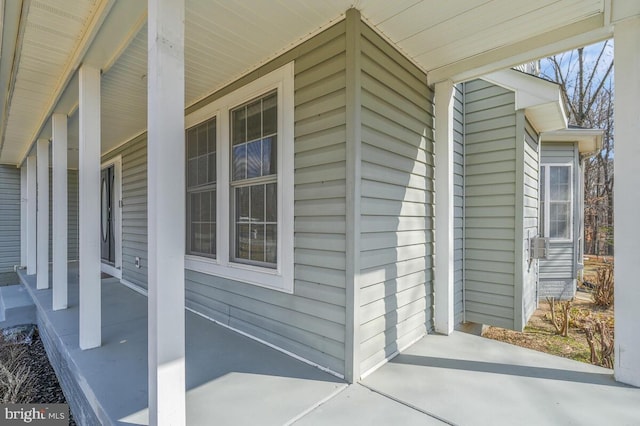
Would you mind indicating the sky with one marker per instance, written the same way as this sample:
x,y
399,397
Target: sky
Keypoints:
x,y
568,60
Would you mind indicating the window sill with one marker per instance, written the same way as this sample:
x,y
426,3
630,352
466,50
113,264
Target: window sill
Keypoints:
x,y
262,277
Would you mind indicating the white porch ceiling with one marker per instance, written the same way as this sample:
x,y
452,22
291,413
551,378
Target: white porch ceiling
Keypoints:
x,y
224,40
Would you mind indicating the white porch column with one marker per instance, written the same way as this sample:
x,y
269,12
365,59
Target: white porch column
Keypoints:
x,y
89,204
444,212
166,212
23,215
627,200
42,262
32,206
59,195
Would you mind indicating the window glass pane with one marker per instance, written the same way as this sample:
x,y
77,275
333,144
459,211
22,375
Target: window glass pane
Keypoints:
x,y
269,156
192,172
203,143
239,162
211,136
242,241
202,170
212,167
239,125
192,143
254,120
253,159
270,114
257,203
271,244
271,202
559,220
205,238
254,156
559,184
257,243
195,237
205,207
201,205
242,204
195,207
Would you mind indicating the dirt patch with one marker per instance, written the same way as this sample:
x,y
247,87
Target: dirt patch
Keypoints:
x,y
540,334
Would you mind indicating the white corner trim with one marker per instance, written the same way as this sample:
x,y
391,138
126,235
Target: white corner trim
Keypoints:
x,y
280,278
444,317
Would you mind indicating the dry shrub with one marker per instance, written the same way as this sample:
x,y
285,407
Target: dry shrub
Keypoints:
x,y
16,381
560,319
603,293
600,339
578,318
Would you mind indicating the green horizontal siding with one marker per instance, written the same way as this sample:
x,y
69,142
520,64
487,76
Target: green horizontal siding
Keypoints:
x,y
9,220
490,203
396,202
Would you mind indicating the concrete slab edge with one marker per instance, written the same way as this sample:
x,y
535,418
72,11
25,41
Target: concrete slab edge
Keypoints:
x,y
318,404
409,405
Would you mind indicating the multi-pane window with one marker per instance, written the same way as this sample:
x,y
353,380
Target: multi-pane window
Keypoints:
x,y
555,201
201,189
253,180
240,215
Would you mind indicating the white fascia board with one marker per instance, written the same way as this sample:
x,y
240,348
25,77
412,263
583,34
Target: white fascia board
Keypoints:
x,y
589,140
540,99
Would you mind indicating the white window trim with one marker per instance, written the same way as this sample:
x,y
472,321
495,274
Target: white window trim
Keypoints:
x,y
547,192
280,278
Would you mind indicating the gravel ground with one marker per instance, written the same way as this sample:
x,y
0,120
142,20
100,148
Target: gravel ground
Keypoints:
x,y
42,387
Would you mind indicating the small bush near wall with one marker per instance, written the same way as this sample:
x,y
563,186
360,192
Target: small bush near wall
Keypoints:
x,y
603,292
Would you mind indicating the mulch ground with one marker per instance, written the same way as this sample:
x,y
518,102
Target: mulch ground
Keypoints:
x,y
41,386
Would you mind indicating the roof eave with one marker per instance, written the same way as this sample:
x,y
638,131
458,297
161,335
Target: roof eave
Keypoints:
x,y
539,98
589,140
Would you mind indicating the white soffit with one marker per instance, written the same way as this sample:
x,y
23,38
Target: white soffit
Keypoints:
x,y
540,99
50,37
589,140
225,40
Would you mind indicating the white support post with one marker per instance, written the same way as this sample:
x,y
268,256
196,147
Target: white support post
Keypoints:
x,y
89,203
42,262
627,199
444,212
32,208
59,235
166,215
23,214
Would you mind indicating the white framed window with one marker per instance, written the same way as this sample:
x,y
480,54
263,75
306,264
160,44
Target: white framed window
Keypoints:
x,y
249,226
201,188
556,201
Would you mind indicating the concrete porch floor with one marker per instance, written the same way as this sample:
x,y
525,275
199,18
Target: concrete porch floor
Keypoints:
x,y
232,380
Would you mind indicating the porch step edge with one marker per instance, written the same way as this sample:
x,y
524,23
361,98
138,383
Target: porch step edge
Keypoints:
x,y
16,306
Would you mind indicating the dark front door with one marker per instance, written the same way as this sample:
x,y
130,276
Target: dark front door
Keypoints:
x,y
108,245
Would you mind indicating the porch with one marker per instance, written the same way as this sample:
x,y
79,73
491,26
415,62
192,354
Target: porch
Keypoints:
x,y
232,379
